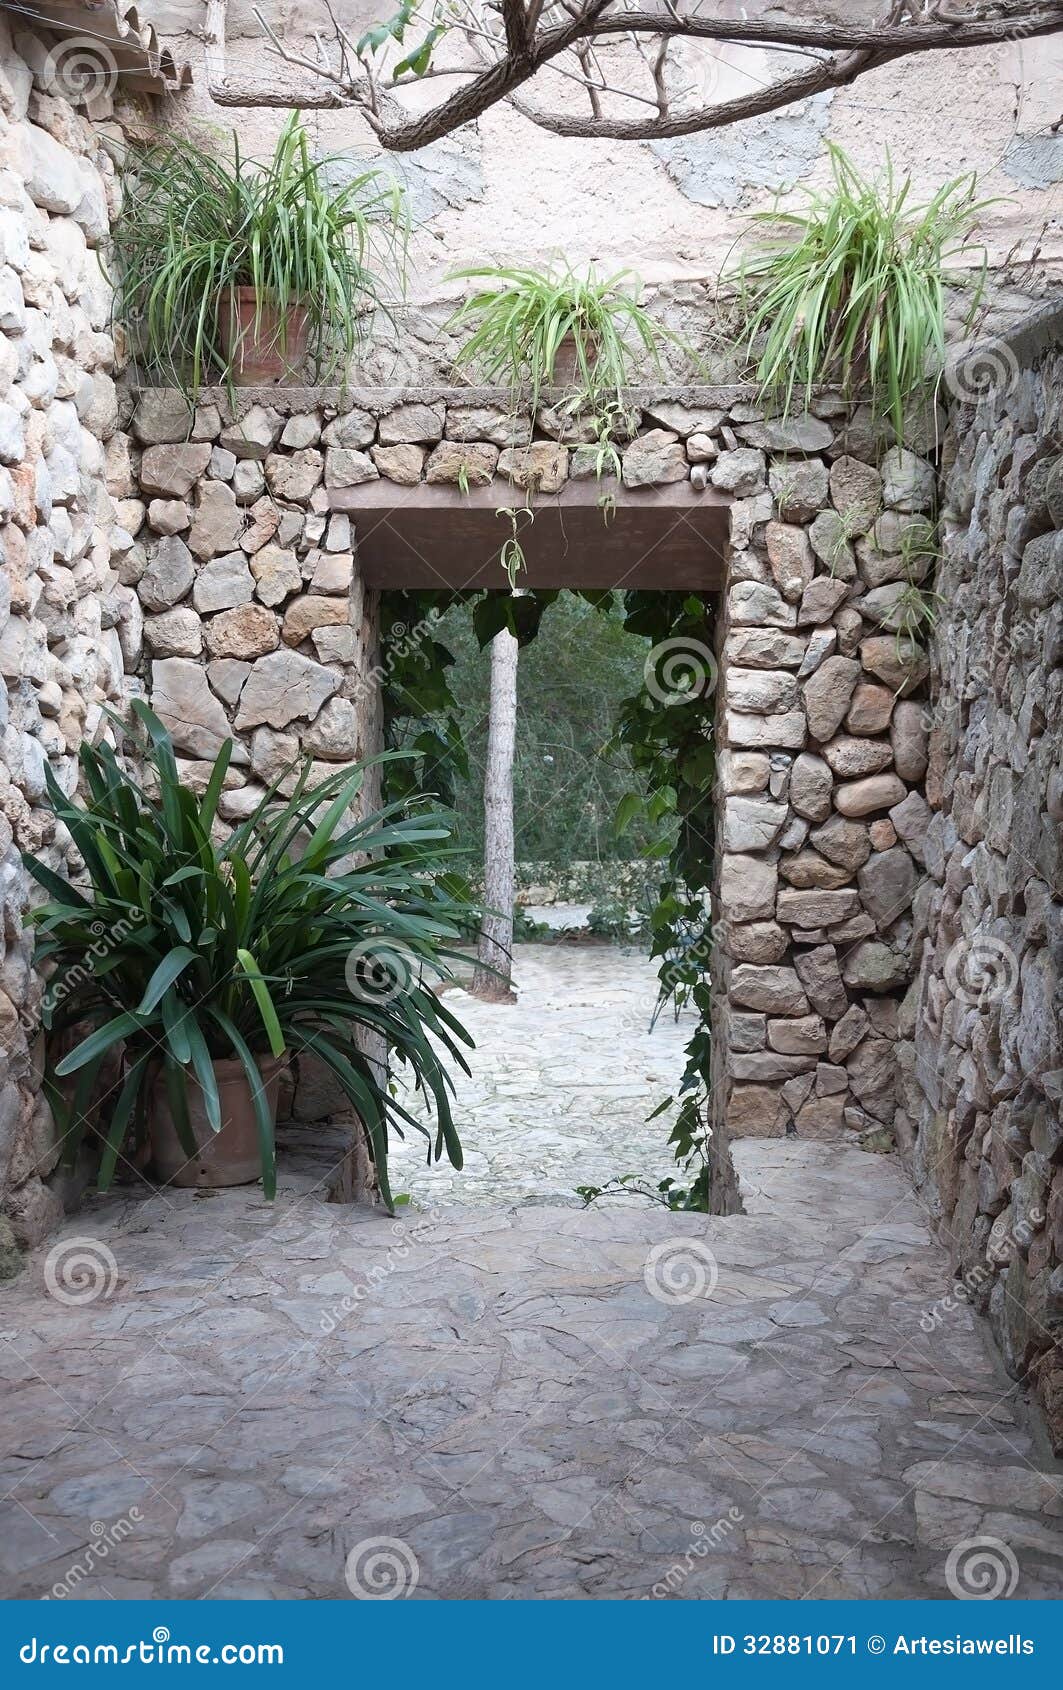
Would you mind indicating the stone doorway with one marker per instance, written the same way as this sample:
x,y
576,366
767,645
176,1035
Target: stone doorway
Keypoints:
x,y
309,504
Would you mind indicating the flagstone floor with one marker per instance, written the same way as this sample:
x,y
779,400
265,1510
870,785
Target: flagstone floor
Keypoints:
x,y
210,1396
562,1083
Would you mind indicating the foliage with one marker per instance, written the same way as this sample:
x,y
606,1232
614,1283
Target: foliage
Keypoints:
x,y
300,929
520,322
568,778
855,293
193,223
654,764
622,918
671,748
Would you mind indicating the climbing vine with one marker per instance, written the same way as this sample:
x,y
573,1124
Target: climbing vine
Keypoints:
x,y
666,729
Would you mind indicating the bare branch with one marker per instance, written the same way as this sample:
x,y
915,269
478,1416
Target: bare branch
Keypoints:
x,y
514,40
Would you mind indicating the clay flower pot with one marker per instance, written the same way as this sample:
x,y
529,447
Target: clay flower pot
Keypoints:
x,y
566,362
230,1157
255,352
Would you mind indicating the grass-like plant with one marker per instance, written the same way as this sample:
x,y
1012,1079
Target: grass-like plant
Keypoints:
x,y
195,223
521,325
855,292
297,930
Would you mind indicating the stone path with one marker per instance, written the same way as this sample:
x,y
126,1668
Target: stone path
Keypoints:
x,y
230,1398
562,1082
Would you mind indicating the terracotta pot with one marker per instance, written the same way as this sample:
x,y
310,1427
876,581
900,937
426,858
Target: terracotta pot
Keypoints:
x,y
228,1157
566,362
256,354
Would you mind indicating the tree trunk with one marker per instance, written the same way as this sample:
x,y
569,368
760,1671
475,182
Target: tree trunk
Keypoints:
x,y
494,962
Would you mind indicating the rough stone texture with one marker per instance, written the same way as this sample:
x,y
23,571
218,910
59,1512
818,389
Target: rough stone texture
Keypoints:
x,y
511,1440
810,687
71,629
981,1081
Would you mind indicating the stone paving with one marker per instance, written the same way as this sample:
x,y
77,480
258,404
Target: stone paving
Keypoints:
x,y
562,1082
233,1399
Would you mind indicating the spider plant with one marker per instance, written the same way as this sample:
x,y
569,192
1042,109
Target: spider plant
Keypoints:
x,y
855,292
195,226
298,930
534,329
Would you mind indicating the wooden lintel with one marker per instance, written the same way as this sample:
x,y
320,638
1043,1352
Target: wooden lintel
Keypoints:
x,y
594,534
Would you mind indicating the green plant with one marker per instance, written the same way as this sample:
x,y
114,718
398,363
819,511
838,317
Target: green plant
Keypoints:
x,y
521,320
512,556
194,223
856,293
914,616
299,929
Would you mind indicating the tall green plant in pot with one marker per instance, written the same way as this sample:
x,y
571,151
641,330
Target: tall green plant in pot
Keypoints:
x,y
558,327
854,289
204,968
253,272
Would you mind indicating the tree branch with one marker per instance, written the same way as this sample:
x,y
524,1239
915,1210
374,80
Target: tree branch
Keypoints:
x,y
531,38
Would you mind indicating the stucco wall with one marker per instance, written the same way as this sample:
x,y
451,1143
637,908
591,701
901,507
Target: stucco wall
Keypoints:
x,y
983,1065
504,190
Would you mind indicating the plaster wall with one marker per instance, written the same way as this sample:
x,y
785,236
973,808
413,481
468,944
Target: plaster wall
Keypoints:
x,y
502,190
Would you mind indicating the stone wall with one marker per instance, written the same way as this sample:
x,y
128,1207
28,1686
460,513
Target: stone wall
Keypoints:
x,y
255,624
823,752
983,1065
503,191
67,625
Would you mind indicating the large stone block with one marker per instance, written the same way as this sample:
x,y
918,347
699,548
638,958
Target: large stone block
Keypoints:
x,y
777,991
827,695
171,472
748,887
183,701
285,687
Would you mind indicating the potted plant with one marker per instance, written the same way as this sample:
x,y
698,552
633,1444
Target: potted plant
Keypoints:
x,y
854,291
556,328
208,967
258,273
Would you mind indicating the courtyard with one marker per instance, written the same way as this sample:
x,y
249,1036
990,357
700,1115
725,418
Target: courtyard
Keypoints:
x,y
502,1394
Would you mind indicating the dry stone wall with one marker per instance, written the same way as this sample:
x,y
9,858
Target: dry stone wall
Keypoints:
x,y
67,625
255,624
822,757
983,1025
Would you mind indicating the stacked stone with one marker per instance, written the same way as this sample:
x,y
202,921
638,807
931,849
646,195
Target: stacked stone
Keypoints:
x,y
983,1061
255,626
250,611
823,754
64,617
252,615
